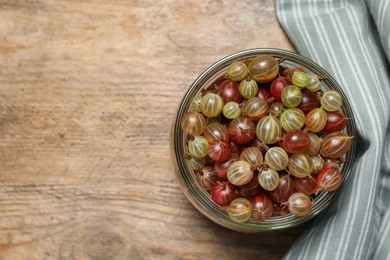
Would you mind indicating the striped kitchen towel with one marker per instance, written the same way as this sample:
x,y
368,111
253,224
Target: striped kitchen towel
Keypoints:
x,y
351,40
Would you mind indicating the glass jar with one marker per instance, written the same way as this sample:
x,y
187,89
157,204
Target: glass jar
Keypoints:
x,y
199,197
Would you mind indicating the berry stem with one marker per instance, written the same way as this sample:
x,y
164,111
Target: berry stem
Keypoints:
x,y
281,60
190,137
322,77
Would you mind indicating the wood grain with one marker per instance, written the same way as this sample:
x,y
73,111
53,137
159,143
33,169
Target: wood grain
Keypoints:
x,y
89,90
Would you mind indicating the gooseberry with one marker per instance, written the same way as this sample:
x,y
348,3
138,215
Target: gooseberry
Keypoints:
x,y
316,120
276,158
255,108
291,96
300,165
194,163
237,71
248,88
239,210
268,178
211,105
229,92
336,144
207,177
262,207
329,179
292,119
284,189
216,131
231,110
335,121
239,173
198,146
299,204
223,193
314,83
305,185
300,79
253,156
193,123
331,101
219,150
296,141
263,68
269,129
242,130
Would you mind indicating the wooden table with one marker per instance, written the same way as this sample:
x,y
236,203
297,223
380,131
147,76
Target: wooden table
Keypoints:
x,y
89,91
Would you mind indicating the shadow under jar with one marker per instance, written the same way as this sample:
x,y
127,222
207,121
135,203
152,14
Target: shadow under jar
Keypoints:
x,y
214,76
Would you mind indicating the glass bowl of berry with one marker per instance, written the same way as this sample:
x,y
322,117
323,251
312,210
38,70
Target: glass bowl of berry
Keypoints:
x,y
263,140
